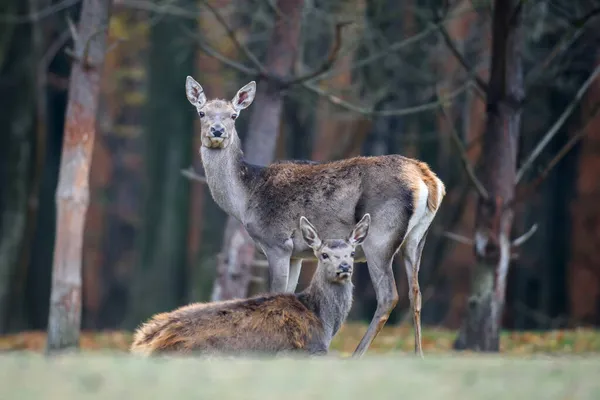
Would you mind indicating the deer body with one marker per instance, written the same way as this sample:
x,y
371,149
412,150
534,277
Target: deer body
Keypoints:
x,y
272,323
402,196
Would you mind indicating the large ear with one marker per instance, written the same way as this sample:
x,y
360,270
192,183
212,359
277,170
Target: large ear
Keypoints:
x,y
195,93
244,97
309,233
360,231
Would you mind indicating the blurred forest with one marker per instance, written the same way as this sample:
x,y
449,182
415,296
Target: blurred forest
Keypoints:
x,y
399,77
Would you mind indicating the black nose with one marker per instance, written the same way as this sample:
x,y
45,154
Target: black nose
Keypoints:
x,y
217,130
345,267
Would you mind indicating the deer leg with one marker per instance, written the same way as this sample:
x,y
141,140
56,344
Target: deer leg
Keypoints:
x,y
413,248
379,261
279,267
294,275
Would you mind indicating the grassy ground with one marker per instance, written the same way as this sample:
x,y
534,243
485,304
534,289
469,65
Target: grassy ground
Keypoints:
x,y
550,365
116,376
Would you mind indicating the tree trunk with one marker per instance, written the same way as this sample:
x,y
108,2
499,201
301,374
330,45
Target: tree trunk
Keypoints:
x,y
72,193
159,281
481,327
17,110
235,264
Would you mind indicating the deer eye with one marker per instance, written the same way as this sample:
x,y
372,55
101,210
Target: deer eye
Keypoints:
x,y
352,254
324,256
201,114
233,116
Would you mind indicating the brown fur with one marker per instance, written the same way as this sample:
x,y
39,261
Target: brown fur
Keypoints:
x,y
285,183
262,323
431,181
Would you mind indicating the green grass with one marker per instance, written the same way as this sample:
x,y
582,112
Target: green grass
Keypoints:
x,y
99,375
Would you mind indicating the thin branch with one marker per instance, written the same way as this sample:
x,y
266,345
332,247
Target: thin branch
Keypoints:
x,y
80,51
192,175
386,113
335,99
262,72
566,42
73,30
464,157
525,237
458,238
329,61
559,49
39,15
394,47
530,189
165,8
583,20
214,53
459,57
52,51
557,125
243,48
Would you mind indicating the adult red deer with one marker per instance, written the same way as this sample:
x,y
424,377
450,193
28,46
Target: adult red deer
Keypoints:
x,y
402,196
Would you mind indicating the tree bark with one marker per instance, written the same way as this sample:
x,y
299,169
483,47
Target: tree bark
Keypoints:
x,y
72,193
481,326
235,263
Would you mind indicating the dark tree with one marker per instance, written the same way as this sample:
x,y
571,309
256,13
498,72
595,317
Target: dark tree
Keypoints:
x,y
481,327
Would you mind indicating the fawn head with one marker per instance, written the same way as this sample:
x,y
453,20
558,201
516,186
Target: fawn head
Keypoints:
x,y
336,256
217,117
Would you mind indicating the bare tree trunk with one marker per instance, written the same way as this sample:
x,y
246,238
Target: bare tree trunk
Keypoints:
x,y
72,193
235,263
481,327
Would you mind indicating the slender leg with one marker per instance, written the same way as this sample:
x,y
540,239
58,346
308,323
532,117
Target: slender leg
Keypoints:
x,y
412,251
379,261
279,267
295,268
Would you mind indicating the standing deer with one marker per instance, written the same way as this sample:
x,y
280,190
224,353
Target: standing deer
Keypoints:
x,y
272,323
402,196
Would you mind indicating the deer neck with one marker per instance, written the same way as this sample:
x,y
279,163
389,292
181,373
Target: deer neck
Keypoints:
x,y
227,177
331,302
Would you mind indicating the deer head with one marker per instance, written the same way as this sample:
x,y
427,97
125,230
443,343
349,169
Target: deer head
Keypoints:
x,y
217,117
336,256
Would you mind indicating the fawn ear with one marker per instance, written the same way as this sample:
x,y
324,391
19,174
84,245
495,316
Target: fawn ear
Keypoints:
x,y
194,92
244,97
309,233
360,231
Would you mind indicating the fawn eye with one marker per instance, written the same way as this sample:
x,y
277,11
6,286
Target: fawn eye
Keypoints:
x,y
324,256
352,254
201,114
233,116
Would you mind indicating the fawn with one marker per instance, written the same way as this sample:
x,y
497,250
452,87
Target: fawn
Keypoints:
x,y
402,196
305,322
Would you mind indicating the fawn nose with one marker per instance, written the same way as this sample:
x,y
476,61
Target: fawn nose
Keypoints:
x,y
217,130
344,267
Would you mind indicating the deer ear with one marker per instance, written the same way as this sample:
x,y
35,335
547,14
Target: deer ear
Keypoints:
x,y
194,92
360,231
309,233
244,97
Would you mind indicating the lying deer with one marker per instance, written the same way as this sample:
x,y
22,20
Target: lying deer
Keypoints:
x,y
402,196
272,323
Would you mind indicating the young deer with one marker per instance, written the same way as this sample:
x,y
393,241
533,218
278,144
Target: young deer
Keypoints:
x,y
402,196
272,323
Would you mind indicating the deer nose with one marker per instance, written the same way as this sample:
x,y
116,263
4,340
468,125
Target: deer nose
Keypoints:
x,y
217,130
344,267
